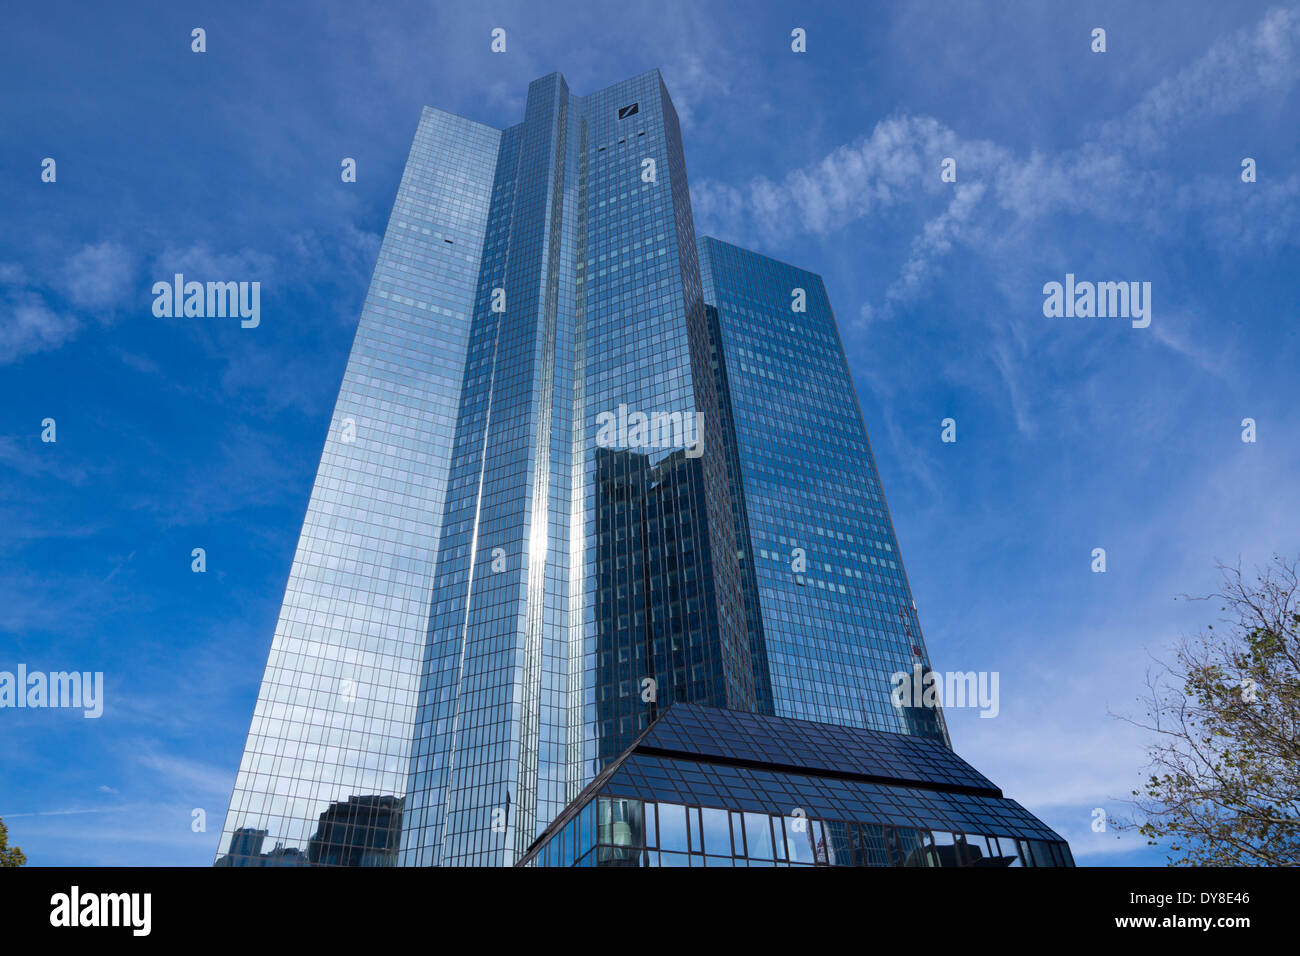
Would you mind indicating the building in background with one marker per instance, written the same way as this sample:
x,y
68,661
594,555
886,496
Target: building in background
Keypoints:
x,y
834,612
585,474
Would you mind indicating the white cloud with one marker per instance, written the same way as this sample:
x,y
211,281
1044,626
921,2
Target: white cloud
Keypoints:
x,y
851,182
1000,196
1263,60
32,327
177,774
201,263
96,277
693,79
100,276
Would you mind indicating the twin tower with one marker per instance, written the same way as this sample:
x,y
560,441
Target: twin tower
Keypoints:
x,y
492,600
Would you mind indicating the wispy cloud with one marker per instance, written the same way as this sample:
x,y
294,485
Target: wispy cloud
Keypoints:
x,y
41,315
32,326
180,774
1000,196
100,276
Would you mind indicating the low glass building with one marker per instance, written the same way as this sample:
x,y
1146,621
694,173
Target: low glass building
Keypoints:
x,y
710,787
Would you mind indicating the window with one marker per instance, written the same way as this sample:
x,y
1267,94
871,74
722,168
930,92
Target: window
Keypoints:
x,y
909,847
799,840
620,831
738,834
944,852
975,850
1040,851
758,835
870,848
717,832
672,828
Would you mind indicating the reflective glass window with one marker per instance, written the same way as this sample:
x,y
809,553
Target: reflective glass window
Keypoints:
x,y
672,828
758,836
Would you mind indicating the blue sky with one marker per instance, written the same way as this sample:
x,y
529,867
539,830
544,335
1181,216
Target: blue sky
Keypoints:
x,y
1072,433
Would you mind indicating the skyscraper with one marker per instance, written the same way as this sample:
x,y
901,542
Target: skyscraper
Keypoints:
x,y
834,608
582,468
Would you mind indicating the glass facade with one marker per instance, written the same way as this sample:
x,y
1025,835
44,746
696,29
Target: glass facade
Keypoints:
x,y
621,831
575,569
828,596
585,471
335,711
706,787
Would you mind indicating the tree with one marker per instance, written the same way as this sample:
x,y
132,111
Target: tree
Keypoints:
x,y
1224,785
9,855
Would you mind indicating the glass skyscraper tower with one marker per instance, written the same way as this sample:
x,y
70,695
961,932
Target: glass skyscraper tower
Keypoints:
x,y
582,468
